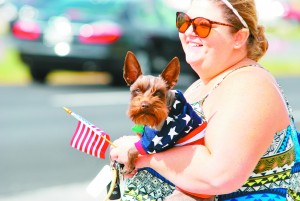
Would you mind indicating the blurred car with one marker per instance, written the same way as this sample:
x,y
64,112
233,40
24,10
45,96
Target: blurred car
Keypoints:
x,y
7,13
94,35
292,11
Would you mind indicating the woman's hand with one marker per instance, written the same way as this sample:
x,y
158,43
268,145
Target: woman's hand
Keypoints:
x,y
121,153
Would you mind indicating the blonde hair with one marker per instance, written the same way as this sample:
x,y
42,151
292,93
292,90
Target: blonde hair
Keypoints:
x,y
257,44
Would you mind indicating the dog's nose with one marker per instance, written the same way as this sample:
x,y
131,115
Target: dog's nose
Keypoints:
x,y
145,104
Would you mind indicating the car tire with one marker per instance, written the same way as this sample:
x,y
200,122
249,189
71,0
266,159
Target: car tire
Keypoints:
x,y
117,79
38,74
117,74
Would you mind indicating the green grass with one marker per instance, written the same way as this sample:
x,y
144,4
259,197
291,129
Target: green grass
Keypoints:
x,y
280,67
284,63
285,30
12,70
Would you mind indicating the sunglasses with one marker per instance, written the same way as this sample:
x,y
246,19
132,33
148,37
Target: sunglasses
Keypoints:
x,y
201,26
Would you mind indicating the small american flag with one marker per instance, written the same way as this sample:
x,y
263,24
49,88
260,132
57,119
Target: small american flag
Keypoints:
x,y
88,138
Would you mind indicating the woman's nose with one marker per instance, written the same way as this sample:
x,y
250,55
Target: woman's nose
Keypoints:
x,y
190,31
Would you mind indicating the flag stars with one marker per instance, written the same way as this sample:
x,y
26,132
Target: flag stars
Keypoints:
x,y
187,118
151,152
157,140
176,103
176,117
189,129
169,119
172,132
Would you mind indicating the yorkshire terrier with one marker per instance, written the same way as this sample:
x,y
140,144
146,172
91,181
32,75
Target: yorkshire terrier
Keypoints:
x,y
153,102
151,96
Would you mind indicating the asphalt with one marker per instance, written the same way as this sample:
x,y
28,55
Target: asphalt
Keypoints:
x,y
71,192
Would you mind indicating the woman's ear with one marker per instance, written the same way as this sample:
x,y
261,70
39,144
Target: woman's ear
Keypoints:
x,y
240,38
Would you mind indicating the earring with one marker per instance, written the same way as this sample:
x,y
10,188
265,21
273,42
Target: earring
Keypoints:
x,y
237,45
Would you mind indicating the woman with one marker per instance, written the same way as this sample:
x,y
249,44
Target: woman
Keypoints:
x,y
251,147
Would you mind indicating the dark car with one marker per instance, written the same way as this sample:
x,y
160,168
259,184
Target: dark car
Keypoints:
x,y
94,35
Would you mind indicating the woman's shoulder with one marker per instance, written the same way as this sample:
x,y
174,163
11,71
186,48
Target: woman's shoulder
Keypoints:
x,y
193,86
253,84
252,91
252,78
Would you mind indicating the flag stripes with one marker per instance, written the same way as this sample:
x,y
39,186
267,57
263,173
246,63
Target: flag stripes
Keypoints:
x,y
87,139
194,137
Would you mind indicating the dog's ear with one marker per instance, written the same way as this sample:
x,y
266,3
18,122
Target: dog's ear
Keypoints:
x,y
171,73
132,68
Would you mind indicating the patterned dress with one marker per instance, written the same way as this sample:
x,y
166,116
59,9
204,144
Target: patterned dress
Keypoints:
x,y
277,175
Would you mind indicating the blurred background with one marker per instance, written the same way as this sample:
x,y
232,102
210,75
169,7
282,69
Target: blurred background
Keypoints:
x,y
70,53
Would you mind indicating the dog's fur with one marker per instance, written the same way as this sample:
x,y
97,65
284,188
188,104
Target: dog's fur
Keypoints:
x,y
150,95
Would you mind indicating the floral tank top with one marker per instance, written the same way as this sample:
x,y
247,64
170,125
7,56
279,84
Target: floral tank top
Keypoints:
x,y
277,174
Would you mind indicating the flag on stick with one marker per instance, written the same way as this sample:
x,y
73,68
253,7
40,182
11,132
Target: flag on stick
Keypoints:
x,y
88,138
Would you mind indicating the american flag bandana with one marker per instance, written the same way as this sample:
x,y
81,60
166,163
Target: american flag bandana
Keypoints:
x,y
89,139
182,127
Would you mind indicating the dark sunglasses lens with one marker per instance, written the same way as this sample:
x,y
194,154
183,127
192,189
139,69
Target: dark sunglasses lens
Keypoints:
x,y
182,22
202,27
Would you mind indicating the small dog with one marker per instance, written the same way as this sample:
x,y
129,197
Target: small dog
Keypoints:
x,y
153,100
151,97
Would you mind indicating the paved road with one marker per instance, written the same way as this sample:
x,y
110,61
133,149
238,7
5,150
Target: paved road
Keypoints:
x,y
35,132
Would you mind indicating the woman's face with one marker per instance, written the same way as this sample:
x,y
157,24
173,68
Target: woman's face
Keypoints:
x,y
213,50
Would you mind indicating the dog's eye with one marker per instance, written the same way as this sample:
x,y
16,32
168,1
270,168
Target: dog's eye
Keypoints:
x,y
159,94
136,91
